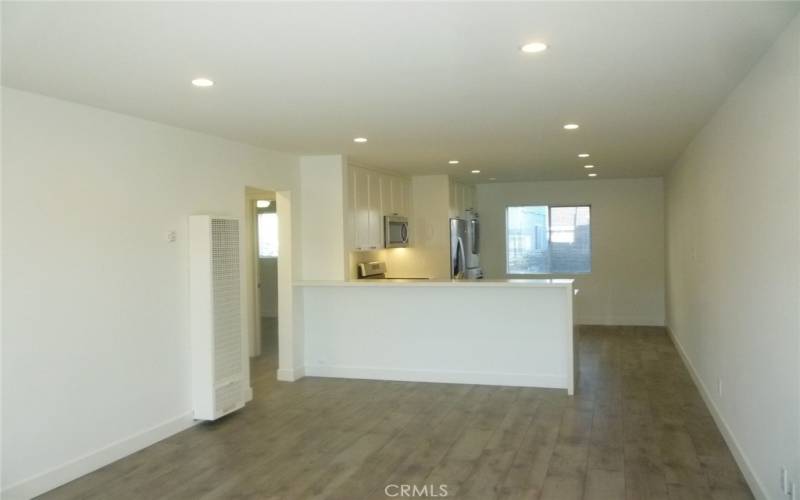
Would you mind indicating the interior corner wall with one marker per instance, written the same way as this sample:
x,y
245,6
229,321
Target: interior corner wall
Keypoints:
x,y
733,265
96,346
626,284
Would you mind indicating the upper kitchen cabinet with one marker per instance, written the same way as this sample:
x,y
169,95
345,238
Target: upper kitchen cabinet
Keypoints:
x,y
462,198
375,211
395,195
359,208
372,195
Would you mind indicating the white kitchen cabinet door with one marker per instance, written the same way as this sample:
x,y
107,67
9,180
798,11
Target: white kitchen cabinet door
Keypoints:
x,y
452,200
375,238
399,194
401,189
386,194
469,197
406,198
361,216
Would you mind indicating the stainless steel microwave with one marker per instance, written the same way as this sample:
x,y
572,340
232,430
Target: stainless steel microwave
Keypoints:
x,y
395,234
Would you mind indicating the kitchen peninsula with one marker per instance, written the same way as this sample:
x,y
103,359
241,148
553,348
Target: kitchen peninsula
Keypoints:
x,y
493,332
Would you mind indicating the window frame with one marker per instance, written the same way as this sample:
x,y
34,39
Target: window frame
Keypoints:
x,y
549,221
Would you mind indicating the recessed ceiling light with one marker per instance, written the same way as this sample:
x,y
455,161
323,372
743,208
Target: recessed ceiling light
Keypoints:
x,y
571,126
588,166
533,47
360,139
583,155
476,171
492,178
593,175
263,203
453,162
202,82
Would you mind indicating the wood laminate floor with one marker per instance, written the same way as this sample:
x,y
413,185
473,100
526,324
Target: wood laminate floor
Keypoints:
x,y
636,429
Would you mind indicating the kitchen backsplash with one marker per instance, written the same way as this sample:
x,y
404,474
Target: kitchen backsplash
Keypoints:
x,y
400,262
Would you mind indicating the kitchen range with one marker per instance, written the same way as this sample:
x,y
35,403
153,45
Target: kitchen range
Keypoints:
x,y
376,270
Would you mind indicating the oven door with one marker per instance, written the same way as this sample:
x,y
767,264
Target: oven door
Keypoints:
x,y
396,232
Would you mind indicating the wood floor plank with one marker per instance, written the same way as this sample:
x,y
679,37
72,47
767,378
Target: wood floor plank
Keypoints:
x,y
604,485
636,429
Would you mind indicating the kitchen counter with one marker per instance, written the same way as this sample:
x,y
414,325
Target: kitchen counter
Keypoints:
x,y
491,332
536,283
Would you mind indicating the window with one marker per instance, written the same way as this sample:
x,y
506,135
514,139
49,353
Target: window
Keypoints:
x,y
267,229
548,240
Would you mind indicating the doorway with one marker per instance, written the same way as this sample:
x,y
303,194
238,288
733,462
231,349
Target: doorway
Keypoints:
x,y
262,276
266,219
272,345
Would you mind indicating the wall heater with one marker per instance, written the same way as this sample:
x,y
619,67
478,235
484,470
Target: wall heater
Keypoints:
x,y
219,355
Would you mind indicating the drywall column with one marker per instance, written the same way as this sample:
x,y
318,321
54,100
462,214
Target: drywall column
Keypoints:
x,y
430,227
290,338
322,212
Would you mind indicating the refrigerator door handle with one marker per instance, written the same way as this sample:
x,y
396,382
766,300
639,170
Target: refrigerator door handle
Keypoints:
x,y
458,272
476,236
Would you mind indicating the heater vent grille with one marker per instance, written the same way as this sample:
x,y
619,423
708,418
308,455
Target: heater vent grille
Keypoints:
x,y
226,299
220,380
228,397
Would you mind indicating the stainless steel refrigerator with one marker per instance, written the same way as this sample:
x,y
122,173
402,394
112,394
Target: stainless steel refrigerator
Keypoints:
x,y
465,262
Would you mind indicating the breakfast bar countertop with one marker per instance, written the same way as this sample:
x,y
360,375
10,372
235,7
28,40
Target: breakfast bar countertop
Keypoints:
x,y
535,283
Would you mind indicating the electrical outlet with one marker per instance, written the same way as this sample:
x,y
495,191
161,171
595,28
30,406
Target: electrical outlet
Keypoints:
x,y
719,386
785,485
172,236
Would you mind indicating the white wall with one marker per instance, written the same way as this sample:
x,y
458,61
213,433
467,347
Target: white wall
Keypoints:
x,y
96,358
626,285
268,275
733,249
322,218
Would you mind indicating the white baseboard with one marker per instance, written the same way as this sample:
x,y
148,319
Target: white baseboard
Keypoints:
x,y
291,374
447,377
92,461
738,454
619,321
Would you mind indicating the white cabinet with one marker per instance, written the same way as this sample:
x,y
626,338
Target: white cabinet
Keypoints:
x,y
360,208
396,196
469,197
372,196
462,198
375,230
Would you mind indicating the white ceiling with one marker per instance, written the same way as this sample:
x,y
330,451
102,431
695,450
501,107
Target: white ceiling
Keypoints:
x,y
425,82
